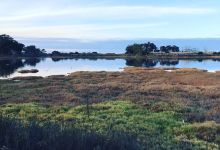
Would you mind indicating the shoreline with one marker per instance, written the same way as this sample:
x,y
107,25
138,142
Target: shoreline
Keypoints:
x,y
126,69
123,56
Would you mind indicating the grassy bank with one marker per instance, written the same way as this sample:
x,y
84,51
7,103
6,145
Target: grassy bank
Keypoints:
x,y
154,130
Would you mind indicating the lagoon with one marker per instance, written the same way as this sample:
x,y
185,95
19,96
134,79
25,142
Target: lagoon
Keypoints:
x,y
48,66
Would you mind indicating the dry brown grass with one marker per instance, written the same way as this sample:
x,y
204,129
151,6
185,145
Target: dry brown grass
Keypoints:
x,y
189,70
181,88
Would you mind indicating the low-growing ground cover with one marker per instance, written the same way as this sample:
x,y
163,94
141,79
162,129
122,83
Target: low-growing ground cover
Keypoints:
x,y
191,88
154,130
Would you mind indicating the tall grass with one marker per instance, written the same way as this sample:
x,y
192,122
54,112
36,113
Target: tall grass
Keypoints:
x,y
14,135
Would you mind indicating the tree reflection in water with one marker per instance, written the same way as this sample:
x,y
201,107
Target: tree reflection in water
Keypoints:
x,y
150,62
9,66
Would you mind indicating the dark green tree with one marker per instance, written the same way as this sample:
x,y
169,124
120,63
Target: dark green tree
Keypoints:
x,y
163,49
8,46
33,51
148,48
135,49
175,48
169,48
141,49
56,53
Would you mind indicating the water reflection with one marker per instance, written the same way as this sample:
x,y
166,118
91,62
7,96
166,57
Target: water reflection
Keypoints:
x,y
54,66
169,62
9,66
150,62
56,59
32,61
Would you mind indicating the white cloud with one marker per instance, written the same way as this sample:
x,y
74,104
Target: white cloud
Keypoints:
x,y
92,22
83,31
105,11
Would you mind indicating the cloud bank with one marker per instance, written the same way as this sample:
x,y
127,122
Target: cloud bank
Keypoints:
x,y
96,22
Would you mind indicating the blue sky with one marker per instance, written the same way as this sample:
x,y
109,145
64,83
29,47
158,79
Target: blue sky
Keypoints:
x,y
91,20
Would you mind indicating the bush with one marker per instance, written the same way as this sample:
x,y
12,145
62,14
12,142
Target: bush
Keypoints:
x,y
33,51
216,53
200,53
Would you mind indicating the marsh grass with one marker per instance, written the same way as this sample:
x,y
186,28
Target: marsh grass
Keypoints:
x,y
161,129
162,110
15,135
192,88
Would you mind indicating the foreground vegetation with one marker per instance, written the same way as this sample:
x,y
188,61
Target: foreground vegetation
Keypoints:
x,y
14,135
154,130
144,108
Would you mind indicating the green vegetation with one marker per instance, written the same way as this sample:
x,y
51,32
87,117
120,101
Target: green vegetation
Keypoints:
x,y
10,47
161,109
33,51
15,135
156,130
147,48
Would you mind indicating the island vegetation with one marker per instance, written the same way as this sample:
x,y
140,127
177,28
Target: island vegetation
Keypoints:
x,y
147,48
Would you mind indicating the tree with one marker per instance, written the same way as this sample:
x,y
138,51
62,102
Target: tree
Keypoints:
x,y
33,51
164,49
135,49
141,49
56,53
169,48
149,48
175,48
200,53
8,46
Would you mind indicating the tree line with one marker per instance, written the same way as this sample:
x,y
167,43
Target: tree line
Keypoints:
x,y
147,48
11,47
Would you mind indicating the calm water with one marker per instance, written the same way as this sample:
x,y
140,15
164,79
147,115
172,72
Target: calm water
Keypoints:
x,y
10,67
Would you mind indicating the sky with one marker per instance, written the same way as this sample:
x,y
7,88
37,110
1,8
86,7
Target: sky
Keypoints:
x,y
93,20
